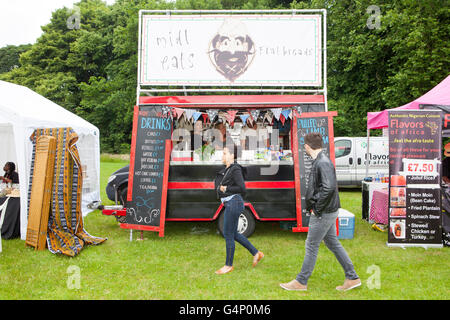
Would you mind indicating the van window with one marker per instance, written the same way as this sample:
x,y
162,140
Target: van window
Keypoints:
x,y
342,148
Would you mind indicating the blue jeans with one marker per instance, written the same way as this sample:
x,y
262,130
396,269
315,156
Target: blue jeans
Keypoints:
x,y
324,228
233,209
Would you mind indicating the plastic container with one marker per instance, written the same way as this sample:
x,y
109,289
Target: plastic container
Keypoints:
x,y
346,224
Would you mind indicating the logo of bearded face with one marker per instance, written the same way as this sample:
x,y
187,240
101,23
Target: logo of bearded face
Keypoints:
x,y
231,51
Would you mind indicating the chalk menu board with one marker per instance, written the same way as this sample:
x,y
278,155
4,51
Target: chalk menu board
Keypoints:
x,y
146,192
303,164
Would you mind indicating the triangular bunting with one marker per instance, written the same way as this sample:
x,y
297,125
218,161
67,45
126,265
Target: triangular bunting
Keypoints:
x,y
276,112
196,115
179,112
244,118
212,114
188,114
286,113
231,114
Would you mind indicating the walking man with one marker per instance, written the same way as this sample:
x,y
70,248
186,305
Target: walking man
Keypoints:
x,y
322,200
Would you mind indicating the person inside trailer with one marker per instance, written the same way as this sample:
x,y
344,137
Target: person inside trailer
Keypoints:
x,y
253,137
221,136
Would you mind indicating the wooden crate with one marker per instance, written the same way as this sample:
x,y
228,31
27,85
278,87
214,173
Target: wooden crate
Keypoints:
x,y
41,192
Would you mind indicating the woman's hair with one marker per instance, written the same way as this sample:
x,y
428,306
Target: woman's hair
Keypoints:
x,y
314,140
234,150
12,166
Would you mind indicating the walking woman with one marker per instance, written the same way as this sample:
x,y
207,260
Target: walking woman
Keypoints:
x,y
230,188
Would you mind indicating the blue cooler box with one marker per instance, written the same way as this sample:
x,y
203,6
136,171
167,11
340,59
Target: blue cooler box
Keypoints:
x,y
346,224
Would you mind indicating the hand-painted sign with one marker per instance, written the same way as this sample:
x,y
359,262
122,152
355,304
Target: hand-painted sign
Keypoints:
x,y
242,50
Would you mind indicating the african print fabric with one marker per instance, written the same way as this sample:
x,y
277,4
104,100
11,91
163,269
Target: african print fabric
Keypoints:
x,y
65,234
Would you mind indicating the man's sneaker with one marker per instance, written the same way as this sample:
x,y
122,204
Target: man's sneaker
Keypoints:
x,y
294,285
349,284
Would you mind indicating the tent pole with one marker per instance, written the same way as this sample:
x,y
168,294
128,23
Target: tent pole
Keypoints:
x,y
367,152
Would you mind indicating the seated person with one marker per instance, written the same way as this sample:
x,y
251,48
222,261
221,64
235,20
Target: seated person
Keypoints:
x,y
11,176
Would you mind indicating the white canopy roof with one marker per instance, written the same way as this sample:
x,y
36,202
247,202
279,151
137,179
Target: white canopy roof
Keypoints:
x,y
21,112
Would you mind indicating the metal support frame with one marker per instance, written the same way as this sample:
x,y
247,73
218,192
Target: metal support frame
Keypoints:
x,y
141,89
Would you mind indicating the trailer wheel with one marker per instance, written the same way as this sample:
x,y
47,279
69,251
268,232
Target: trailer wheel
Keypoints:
x,y
246,225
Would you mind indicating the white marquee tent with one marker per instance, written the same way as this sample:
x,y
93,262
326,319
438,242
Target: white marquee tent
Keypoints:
x,y
21,112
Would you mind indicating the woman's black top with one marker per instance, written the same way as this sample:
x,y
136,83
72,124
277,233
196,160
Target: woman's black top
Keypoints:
x,y
231,177
14,176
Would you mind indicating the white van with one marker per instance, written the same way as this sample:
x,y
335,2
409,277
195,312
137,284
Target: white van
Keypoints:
x,y
350,155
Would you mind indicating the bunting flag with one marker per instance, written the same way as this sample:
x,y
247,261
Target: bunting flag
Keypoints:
x,y
286,113
298,109
205,117
212,114
196,115
166,110
231,114
188,113
276,112
268,117
179,112
255,114
244,118
282,119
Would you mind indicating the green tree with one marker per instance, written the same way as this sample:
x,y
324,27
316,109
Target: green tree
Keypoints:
x,y
9,57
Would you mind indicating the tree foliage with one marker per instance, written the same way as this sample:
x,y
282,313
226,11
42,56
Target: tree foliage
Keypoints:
x,y
91,70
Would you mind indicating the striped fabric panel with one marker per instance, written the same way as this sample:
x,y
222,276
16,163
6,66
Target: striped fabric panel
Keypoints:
x,y
66,234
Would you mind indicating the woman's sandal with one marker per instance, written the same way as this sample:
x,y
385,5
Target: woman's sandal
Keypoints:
x,y
220,271
257,257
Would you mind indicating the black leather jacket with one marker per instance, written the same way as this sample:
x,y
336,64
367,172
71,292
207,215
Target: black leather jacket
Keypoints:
x,y
322,194
233,178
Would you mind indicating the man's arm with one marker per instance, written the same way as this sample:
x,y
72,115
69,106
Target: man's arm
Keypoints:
x,y
327,186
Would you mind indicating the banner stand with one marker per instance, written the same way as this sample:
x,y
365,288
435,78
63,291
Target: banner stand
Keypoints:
x,y
415,211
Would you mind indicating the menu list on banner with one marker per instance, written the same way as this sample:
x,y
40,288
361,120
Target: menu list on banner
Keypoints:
x,y
414,184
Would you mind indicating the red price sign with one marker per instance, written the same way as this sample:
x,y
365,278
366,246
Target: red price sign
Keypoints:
x,y
420,167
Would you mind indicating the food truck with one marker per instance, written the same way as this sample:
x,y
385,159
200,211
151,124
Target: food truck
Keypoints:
x,y
175,154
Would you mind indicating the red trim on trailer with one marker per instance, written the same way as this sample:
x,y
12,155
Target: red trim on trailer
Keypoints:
x,y
120,213
138,227
164,187
132,153
298,199
331,134
245,100
190,185
249,185
294,128
328,114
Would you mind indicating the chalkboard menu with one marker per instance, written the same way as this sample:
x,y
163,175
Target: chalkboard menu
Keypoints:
x,y
321,122
149,161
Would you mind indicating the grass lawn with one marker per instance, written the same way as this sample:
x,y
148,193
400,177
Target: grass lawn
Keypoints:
x,y
181,265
